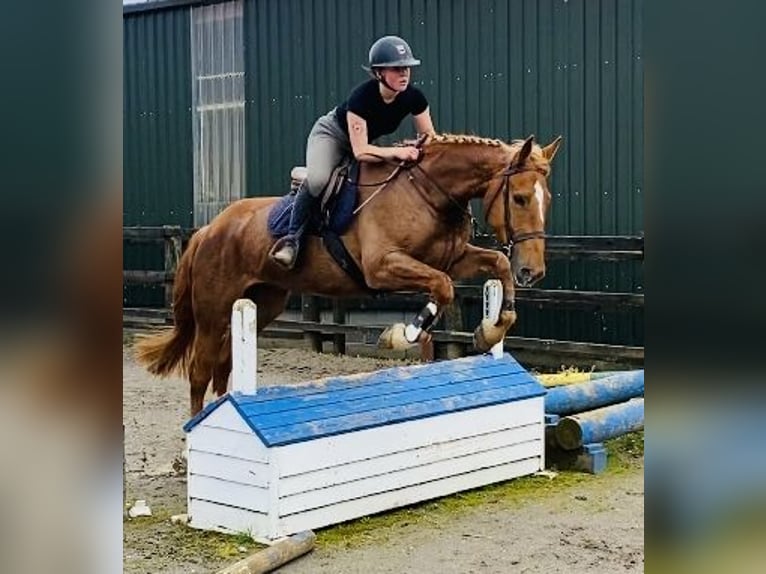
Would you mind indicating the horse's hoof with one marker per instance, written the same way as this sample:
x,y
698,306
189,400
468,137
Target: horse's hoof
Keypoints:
x,y
479,341
384,341
393,338
487,335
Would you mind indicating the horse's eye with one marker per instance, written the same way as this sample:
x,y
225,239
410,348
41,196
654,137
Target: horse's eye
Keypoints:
x,y
519,200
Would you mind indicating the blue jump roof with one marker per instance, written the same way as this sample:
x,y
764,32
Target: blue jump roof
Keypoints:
x,y
284,415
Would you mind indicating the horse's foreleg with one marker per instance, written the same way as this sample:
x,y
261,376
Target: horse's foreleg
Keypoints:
x,y
488,262
398,271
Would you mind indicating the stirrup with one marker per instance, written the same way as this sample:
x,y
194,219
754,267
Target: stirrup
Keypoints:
x,y
285,252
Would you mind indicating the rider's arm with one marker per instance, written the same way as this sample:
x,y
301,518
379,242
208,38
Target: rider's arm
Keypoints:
x,y
423,123
365,151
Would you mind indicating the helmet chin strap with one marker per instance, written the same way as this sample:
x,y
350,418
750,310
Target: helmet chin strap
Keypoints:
x,y
383,81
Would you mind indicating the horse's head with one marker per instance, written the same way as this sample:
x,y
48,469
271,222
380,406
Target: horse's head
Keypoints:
x,y
516,208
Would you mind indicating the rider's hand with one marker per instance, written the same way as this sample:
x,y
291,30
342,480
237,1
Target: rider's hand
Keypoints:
x,y
407,153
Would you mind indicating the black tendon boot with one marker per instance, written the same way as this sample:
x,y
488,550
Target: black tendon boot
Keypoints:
x,y
285,250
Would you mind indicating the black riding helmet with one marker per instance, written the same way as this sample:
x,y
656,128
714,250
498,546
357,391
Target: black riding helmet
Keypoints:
x,y
391,52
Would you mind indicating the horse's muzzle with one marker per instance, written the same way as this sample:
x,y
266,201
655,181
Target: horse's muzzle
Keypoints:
x,y
526,277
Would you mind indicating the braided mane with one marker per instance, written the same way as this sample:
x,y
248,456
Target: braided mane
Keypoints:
x,y
465,139
536,158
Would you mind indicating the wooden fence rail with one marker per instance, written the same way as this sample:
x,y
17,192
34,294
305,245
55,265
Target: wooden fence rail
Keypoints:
x,y
449,342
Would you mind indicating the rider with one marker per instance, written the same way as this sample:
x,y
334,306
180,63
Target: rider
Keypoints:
x,y
373,109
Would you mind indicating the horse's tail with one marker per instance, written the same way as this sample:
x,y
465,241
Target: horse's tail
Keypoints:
x,y
164,353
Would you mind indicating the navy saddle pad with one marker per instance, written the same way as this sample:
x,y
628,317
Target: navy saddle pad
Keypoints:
x,y
340,209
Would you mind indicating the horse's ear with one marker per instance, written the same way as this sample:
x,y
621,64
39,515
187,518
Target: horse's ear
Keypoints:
x,y
550,150
524,152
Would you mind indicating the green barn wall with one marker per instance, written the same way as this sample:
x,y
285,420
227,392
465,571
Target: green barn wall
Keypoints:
x,y
494,68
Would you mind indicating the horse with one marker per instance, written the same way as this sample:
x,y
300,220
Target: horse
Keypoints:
x,y
411,233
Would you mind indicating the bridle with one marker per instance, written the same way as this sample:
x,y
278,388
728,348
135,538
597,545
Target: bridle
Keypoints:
x,y
503,189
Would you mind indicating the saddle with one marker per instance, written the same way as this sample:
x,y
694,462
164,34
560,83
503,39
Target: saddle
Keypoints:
x,y
337,203
337,211
345,174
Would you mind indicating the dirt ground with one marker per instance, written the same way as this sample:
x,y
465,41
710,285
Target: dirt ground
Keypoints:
x,y
570,523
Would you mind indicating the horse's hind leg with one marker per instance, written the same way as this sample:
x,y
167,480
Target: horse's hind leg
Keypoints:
x,y
200,372
270,302
203,364
223,365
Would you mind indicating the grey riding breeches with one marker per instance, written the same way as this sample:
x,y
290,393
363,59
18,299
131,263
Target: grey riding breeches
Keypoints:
x,y
326,147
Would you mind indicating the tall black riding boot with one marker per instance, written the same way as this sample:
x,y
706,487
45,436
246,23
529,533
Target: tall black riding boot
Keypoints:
x,y
285,251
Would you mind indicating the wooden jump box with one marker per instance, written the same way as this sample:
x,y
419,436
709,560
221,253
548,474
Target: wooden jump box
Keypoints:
x,y
288,459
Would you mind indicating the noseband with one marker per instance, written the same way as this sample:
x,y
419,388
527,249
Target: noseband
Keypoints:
x,y
505,190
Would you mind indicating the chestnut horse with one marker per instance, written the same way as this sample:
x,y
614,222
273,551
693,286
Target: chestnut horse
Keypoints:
x,y
411,234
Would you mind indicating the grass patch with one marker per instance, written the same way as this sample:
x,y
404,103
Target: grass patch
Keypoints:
x,y
186,544
625,455
436,513
146,535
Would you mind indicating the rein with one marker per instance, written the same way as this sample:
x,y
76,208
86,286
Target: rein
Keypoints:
x,y
381,185
503,189
397,170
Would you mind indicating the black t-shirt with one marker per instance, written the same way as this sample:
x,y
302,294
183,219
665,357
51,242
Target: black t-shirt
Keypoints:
x,y
382,118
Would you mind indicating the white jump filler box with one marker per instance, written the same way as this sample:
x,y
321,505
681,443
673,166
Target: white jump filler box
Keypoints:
x,y
287,459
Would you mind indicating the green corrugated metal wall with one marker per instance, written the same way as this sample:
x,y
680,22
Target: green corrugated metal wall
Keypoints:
x,y
157,134
496,68
158,166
